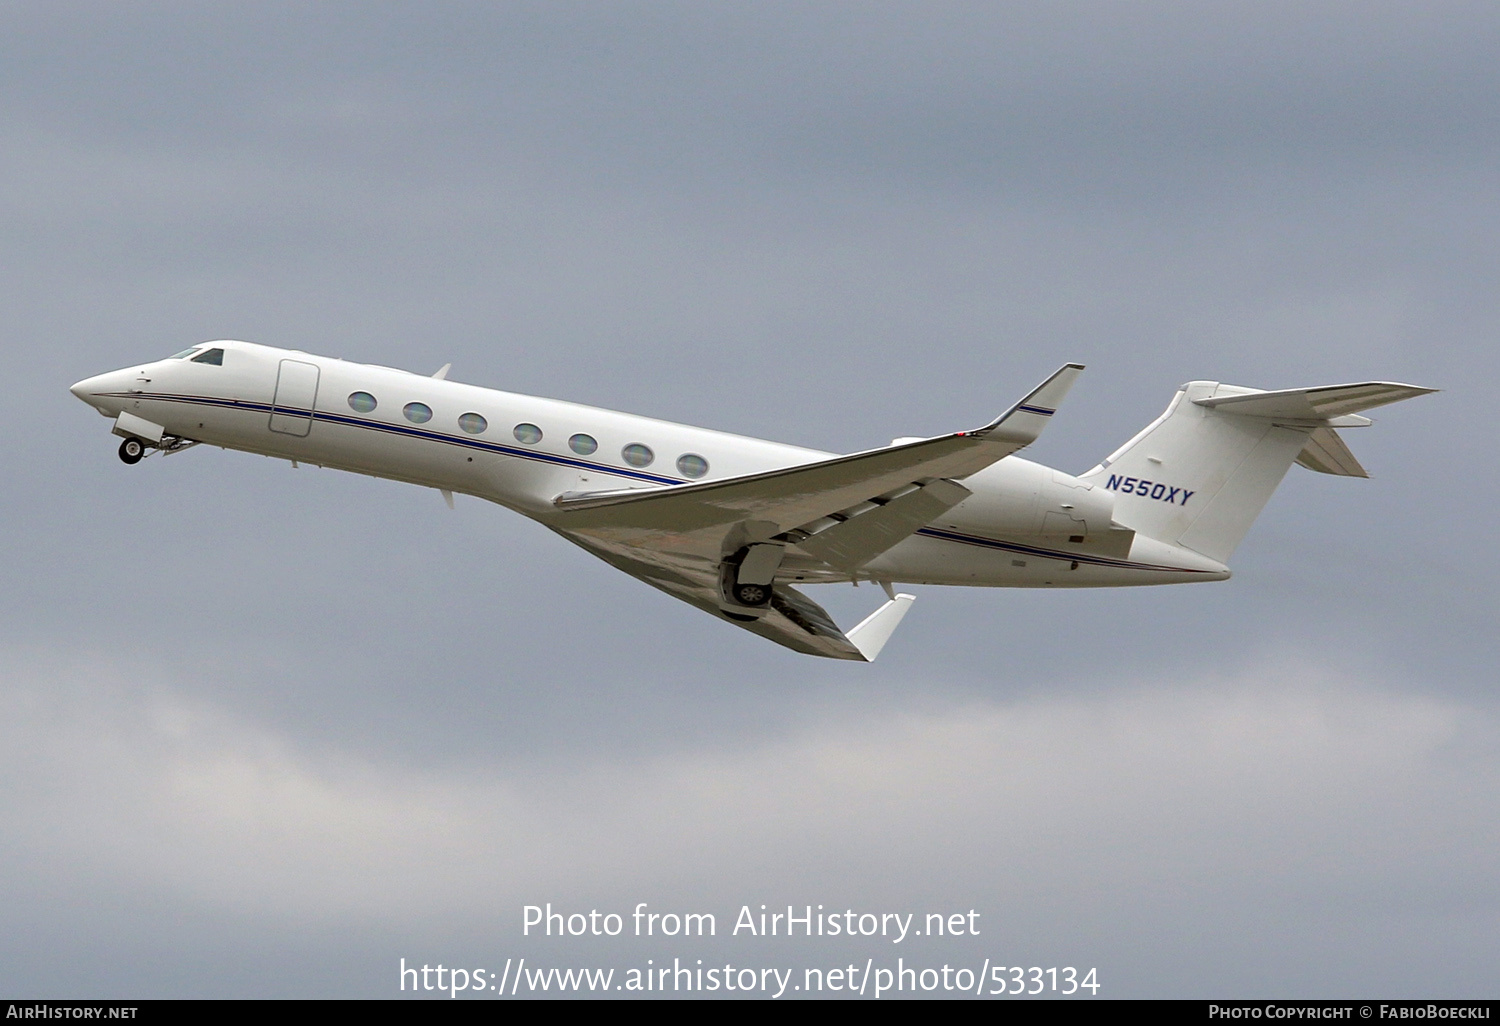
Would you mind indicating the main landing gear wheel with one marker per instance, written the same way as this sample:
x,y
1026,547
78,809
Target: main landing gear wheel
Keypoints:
x,y
131,450
752,594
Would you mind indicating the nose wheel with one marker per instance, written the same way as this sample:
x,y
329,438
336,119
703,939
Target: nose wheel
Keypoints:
x,y
131,451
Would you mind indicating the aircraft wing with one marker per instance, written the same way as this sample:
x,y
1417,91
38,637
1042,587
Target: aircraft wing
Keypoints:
x,y
835,514
793,496
792,620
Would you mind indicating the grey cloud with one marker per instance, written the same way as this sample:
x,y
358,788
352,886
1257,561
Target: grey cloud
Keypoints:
x,y
1093,94
1281,800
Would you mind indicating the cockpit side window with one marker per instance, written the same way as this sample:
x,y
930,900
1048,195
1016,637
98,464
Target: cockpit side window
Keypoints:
x,y
213,356
185,353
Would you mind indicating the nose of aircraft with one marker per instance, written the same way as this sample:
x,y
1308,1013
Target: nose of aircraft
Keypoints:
x,y
88,387
95,391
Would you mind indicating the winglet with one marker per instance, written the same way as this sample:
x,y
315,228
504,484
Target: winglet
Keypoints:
x,y
876,629
442,372
1024,421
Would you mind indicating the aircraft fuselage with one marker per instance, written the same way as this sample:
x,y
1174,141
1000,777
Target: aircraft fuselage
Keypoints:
x,y
1025,525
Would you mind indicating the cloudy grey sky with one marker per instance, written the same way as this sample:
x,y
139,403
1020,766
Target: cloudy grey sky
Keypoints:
x,y
268,731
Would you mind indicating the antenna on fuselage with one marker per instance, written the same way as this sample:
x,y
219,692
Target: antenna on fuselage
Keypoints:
x,y
442,372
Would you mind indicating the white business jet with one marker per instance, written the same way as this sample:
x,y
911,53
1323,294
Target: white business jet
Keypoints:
x,y
731,524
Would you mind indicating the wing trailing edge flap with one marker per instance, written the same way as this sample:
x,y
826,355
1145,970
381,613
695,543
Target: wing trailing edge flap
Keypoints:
x,y
792,497
849,540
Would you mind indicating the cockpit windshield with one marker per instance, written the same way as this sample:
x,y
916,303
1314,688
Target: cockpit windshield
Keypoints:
x,y
213,356
185,353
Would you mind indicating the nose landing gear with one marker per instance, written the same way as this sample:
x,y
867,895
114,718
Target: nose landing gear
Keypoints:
x,y
133,450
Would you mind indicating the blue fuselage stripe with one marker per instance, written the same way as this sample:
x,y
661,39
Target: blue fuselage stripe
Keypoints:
x,y
1041,553
409,432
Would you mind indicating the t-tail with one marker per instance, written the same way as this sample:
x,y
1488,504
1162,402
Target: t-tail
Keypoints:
x,y
1199,474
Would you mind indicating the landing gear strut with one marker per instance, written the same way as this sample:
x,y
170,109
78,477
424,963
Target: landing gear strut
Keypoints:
x,y
131,450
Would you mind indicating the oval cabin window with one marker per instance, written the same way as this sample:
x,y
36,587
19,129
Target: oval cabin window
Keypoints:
x,y
638,455
692,465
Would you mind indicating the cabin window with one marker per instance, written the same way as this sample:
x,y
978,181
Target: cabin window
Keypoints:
x,y
638,455
212,356
583,445
184,354
473,423
362,402
417,413
692,465
527,434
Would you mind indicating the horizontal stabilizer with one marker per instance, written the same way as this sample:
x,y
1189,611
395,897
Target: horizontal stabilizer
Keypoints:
x,y
1326,453
1314,404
